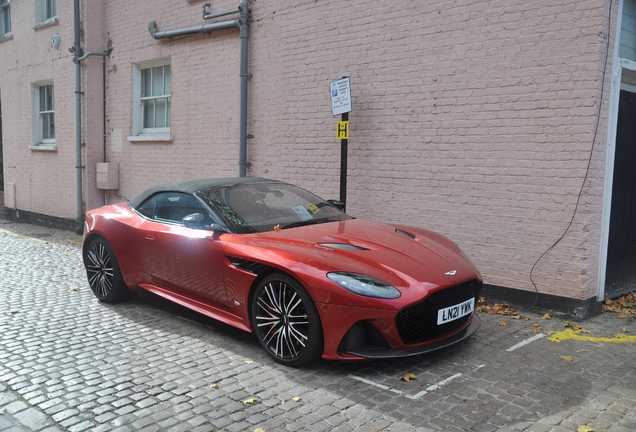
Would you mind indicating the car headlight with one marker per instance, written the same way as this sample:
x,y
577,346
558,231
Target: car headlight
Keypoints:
x,y
364,285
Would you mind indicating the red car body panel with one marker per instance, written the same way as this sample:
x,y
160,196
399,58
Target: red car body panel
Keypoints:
x,y
195,268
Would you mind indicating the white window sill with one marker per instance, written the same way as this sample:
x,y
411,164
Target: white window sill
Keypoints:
x,y
44,147
47,23
151,138
7,36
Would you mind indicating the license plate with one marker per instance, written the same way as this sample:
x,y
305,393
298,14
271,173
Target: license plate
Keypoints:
x,y
457,311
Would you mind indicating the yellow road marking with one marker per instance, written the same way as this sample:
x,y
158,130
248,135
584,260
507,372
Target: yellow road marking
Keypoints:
x,y
572,335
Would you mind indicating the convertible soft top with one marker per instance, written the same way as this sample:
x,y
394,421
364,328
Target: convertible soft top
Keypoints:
x,y
191,186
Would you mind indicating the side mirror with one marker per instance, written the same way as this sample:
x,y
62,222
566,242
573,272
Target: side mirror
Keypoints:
x,y
337,204
194,220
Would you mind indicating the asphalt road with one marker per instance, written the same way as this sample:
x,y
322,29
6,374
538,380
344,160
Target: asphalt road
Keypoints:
x,y
69,362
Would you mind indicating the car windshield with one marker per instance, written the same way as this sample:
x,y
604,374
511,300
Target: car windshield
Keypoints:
x,y
259,207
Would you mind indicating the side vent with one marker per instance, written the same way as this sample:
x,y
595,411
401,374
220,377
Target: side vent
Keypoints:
x,y
407,234
248,266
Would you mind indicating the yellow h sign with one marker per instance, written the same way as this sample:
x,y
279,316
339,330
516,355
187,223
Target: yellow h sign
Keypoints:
x,y
342,130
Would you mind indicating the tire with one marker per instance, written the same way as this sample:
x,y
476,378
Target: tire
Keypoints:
x,y
103,273
286,321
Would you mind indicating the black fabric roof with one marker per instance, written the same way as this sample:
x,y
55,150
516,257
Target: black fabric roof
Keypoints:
x,y
191,186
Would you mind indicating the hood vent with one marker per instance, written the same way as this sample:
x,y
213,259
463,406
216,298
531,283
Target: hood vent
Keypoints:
x,y
406,234
341,246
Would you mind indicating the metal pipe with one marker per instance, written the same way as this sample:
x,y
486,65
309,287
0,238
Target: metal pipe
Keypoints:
x,y
206,28
207,16
244,26
78,117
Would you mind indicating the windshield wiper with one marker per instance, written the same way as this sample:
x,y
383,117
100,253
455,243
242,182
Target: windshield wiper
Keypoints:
x,y
304,223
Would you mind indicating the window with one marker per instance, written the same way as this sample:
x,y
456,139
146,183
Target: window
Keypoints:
x,y
45,11
5,19
151,101
172,207
43,114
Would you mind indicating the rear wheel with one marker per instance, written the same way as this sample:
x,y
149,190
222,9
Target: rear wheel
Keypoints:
x,y
102,271
286,321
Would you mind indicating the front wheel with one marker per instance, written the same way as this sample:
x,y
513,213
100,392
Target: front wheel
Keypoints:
x,y
102,271
286,321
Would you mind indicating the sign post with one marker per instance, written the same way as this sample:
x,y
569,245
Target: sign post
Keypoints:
x,y
341,104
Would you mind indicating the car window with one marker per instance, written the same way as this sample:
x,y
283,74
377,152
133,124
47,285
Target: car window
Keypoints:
x,y
268,206
171,207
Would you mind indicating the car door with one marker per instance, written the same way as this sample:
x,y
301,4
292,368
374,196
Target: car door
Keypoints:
x,y
184,260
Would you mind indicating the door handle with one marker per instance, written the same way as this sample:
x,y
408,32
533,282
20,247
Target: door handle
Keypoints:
x,y
150,237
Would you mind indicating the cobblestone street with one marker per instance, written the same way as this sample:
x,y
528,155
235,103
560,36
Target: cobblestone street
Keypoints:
x,y
71,363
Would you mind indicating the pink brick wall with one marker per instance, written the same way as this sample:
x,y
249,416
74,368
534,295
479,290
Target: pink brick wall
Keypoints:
x,y
474,119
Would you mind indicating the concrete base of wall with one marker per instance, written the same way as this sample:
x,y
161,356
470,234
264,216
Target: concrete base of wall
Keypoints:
x,y
16,215
562,307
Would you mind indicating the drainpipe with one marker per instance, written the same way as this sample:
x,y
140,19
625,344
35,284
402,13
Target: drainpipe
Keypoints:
x,y
78,117
243,24
103,54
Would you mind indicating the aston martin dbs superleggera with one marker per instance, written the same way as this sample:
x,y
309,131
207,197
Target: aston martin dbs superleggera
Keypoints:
x,y
273,259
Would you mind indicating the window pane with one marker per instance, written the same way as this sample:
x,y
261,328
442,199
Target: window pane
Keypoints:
x,y
160,113
157,81
50,100
145,82
149,114
49,9
48,126
42,98
167,78
168,116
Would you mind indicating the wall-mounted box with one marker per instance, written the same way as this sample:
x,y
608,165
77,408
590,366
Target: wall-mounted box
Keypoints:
x,y
107,176
9,195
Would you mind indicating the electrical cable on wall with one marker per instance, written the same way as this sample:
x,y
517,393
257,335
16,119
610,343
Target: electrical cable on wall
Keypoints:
x,y
589,162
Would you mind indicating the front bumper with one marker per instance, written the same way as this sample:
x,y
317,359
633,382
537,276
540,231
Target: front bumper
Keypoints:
x,y
380,352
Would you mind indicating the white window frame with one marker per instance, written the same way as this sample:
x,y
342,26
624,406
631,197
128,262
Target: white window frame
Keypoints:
x,y
139,132
45,13
5,17
39,141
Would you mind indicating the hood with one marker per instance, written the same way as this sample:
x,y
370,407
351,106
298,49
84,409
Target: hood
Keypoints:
x,y
397,254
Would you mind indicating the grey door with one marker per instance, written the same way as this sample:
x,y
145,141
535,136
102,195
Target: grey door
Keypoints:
x,y
620,276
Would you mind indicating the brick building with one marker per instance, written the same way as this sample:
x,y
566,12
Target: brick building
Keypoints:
x,y
495,123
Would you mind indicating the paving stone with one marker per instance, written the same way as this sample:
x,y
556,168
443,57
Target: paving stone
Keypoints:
x,y
147,364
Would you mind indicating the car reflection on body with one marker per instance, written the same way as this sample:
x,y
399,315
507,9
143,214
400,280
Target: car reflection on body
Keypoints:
x,y
273,259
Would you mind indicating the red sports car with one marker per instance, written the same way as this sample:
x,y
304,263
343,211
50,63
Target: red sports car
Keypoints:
x,y
271,258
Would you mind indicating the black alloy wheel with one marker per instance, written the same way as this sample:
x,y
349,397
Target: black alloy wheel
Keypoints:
x,y
286,321
102,271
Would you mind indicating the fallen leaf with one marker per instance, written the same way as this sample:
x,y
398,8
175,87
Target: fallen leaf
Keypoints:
x,y
13,311
515,317
624,330
526,319
536,325
567,358
250,401
277,228
75,289
621,315
297,398
545,317
408,377
249,361
537,331
503,324
259,430
585,429
567,325
214,386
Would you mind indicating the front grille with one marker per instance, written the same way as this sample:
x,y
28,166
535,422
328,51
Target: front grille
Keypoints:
x,y
418,323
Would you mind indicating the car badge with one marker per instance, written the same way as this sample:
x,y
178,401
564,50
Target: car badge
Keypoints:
x,y
451,273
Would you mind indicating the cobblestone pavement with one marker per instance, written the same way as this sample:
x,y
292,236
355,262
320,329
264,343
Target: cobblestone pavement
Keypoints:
x,y
71,363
